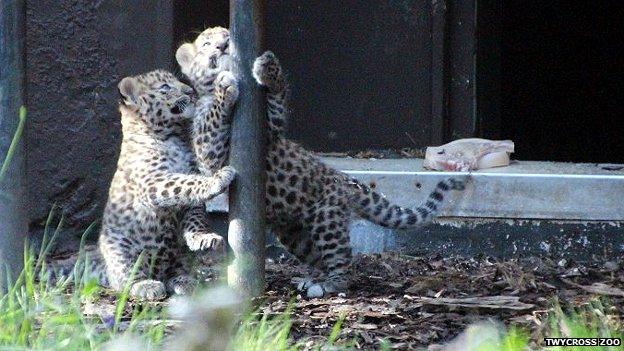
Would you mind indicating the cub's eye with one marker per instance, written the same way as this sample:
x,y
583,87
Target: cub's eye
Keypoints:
x,y
441,152
207,43
164,88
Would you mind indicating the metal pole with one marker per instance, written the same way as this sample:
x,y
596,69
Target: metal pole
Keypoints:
x,y
13,223
247,153
438,78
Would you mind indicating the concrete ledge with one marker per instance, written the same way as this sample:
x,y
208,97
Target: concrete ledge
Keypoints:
x,y
524,190
562,210
580,241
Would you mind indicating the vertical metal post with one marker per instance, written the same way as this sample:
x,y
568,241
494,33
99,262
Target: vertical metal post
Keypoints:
x,y
13,224
438,82
247,153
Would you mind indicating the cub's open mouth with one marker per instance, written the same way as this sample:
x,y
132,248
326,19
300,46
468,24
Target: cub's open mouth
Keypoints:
x,y
180,105
212,63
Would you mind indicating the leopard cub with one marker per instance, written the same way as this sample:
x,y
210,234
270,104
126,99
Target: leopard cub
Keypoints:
x,y
309,205
155,193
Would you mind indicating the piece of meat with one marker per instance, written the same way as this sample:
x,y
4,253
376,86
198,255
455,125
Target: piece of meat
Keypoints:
x,y
468,154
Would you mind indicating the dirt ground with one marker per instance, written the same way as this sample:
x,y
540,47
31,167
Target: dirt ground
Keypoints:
x,y
413,302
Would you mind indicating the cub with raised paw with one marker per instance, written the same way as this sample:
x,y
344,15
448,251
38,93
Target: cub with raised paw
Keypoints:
x,y
154,184
207,62
309,205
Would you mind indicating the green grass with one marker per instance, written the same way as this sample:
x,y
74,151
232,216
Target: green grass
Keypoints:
x,y
16,137
36,314
259,333
589,321
514,339
265,333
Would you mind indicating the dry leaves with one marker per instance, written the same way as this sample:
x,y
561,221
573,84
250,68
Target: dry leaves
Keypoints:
x,y
412,302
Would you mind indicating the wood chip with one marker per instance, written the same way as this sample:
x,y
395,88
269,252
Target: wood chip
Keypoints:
x,y
367,337
491,302
597,288
365,326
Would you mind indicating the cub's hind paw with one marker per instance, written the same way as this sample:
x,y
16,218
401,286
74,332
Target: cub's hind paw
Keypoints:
x,y
315,289
181,285
148,289
268,72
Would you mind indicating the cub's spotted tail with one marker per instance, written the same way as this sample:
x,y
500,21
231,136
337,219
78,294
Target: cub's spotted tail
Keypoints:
x,y
377,209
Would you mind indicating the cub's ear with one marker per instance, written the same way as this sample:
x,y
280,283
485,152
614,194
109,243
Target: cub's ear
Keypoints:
x,y
184,56
129,88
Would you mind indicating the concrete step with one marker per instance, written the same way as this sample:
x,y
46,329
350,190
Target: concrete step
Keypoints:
x,y
559,209
523,190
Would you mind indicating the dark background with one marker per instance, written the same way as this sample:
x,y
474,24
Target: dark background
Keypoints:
x,y
549,74
562,79
359,70
381,74
76,52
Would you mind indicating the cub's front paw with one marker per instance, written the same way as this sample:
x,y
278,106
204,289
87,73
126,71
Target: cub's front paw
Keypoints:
x,y
314,289
148,289
227,85
205,241
267,71
223,178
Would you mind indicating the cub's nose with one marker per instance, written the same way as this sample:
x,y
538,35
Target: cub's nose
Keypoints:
x,y
224,45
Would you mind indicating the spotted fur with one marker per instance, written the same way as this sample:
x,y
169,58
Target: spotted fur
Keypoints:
x,y
208,62
155,183
309,205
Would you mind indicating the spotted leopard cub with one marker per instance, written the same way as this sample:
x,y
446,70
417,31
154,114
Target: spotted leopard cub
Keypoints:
x,y
154,182
207,62
309,205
